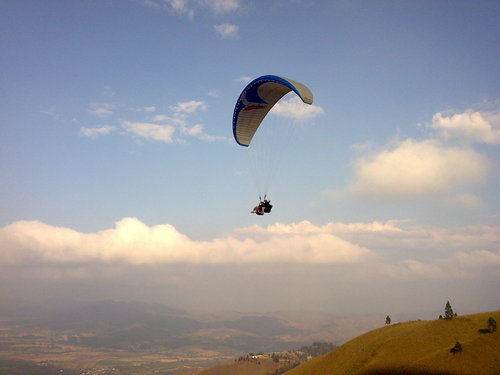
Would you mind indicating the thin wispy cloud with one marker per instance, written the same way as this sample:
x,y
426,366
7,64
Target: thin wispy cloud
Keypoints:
x,y
152,4
108,91
147,109
214,93
166,128
177,119
96,132
189,8
227,31
223,6
244,79
180,7
189,106
101,110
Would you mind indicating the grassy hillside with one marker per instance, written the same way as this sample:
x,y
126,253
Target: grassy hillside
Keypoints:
x,y
260,367
420,347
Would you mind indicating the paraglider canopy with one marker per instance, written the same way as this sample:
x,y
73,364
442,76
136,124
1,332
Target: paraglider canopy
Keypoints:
x,y
257,99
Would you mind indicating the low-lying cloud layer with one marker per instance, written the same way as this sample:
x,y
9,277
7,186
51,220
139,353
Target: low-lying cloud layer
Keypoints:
x,y
378,247
133,242
343,267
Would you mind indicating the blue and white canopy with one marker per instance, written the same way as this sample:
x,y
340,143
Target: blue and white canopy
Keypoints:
x,y
257,99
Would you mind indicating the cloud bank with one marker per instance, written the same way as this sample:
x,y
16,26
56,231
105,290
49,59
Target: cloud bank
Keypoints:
x,y
133,242
377,248
337,266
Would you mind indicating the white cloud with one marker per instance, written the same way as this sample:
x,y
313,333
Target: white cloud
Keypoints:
x,y
227,30
198,131
179,120
148,109
188,7
294,108
108,91
101,110
305,227
223,6
180,7
244,79
163,133
133,242
189,107
95,132
389,249
214,93
468,126
390,236
195,130
411,168
151,4
160,118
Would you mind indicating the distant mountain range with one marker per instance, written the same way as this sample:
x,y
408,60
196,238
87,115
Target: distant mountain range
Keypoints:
x,y
129,325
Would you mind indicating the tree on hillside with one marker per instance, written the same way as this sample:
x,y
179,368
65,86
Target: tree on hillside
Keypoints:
x,y
492,324
448,311
388,320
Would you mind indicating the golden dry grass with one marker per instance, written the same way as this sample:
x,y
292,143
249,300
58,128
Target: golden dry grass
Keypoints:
x,y
420,347
260,367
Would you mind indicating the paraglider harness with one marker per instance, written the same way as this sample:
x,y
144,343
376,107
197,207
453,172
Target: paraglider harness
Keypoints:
x,y
264,206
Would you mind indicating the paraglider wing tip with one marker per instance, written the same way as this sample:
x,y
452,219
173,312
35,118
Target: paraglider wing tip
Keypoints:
x,y
307,100
257,99
301,90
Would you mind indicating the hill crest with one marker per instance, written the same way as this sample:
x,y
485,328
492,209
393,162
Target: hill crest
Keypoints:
x,y
416,347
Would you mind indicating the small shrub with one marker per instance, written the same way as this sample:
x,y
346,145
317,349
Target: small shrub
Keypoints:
x,y
457,348
492,324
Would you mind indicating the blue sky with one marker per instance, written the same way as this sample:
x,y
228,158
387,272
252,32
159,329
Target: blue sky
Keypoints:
x,y
116,150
